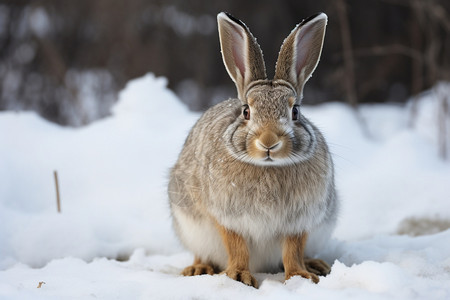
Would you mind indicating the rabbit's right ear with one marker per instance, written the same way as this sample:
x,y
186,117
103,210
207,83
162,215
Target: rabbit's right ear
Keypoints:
x,y
241,53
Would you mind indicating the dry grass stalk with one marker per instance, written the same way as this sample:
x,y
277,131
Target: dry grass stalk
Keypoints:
x,y
58,199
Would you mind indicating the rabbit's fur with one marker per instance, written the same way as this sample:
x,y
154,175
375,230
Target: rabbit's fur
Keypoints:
x,y
249,190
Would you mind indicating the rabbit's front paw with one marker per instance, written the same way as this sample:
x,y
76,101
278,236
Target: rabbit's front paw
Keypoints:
x,y
198,269
304,274
317,266
243,276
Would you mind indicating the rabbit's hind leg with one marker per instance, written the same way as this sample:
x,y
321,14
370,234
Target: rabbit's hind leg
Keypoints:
x,y
317,266
198,268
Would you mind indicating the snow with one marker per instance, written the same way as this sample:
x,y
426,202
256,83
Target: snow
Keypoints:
x,y
113,238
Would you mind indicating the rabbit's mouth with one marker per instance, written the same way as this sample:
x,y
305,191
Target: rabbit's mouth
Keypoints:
x,y
268,159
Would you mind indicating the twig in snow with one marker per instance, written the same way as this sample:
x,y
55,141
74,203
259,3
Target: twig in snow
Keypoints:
x,y
58,200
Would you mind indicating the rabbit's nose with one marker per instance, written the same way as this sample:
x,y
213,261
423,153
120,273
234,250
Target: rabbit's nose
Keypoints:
x,y
268,141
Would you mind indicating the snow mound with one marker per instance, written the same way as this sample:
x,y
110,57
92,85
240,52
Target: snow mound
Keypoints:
x,y
112,177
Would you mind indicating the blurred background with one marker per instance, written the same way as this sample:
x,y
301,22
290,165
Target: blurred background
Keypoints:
x,y
67,60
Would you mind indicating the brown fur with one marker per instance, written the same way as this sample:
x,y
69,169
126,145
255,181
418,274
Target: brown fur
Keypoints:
x,y
198,268
238,256
245,194
317,266
293,257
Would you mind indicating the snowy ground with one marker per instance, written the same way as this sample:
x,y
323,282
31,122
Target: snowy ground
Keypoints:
x,y
113,174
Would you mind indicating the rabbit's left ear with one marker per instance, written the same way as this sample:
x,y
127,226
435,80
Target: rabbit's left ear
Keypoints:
x,y
300,52
241,53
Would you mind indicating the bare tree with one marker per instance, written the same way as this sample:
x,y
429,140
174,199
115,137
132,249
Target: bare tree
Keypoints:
x,y
347,49
442,92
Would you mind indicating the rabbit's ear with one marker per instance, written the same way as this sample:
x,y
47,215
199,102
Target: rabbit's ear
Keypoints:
x,y
300,52
241,53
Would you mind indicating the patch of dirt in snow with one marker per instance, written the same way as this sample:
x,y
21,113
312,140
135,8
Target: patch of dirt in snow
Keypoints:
x,y
415,226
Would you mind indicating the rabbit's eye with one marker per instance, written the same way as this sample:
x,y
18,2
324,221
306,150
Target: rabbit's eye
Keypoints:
x,y
246,112
295,113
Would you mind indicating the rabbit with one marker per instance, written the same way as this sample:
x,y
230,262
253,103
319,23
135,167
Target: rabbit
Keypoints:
x,y
253,187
